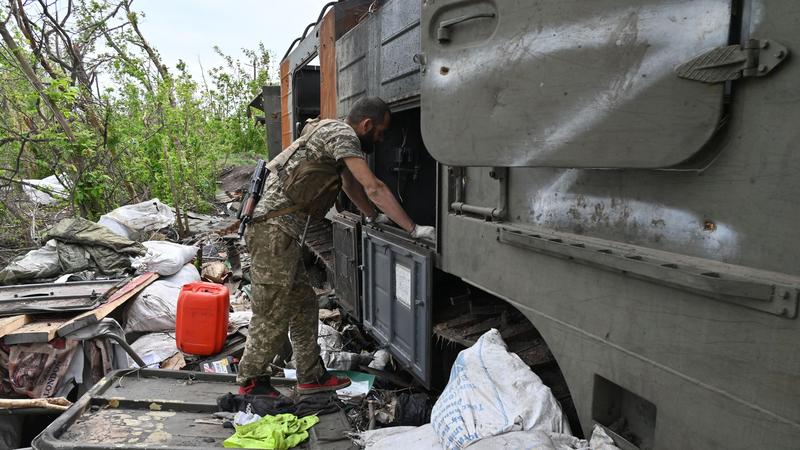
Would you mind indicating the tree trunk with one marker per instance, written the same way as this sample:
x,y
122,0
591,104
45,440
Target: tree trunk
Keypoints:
x,y
34,80
182,231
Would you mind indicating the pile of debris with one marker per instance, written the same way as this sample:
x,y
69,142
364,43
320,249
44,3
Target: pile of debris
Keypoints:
x,y
69,309
57,303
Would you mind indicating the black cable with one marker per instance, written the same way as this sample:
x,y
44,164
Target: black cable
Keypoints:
x,y
309,27
322,12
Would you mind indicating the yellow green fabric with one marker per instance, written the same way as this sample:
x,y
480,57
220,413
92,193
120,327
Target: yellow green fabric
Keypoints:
x,y
279,432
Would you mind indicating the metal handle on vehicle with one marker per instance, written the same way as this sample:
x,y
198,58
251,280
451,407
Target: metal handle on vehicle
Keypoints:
x,y
443,33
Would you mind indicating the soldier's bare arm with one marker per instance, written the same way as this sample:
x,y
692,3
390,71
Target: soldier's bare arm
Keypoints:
x,y
356,193
378,193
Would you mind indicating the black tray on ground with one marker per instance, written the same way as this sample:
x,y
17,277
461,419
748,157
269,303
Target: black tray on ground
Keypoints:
x,y
149,408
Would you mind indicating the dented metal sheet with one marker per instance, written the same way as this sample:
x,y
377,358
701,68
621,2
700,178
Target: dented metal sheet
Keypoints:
x,y
53,297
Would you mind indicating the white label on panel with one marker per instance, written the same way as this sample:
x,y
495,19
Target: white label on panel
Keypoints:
x,y
402,284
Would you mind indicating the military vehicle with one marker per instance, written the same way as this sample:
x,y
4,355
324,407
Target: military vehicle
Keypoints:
x,y
614,184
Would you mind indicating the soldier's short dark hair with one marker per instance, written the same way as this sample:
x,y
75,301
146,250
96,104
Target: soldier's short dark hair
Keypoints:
x,y
368,108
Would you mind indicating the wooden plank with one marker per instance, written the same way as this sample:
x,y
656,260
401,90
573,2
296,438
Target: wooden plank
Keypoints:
x,y
327,63
55,403
39,331
115,301
13,323
286,125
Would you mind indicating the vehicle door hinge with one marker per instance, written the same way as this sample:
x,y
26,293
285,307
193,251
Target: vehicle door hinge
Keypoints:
x,y
419,58
755,59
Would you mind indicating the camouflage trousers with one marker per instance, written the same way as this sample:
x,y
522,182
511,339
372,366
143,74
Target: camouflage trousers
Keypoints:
x,y
282,300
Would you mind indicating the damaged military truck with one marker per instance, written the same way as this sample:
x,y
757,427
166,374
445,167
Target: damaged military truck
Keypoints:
x,y
614,188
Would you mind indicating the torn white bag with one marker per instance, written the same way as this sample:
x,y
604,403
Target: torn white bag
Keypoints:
x,y
491,392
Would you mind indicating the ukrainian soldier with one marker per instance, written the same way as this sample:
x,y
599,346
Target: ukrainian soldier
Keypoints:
x,y
282,299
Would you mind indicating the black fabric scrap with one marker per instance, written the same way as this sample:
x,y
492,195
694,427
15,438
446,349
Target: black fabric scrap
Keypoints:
x,y
259,404
412,409
308,405
318,404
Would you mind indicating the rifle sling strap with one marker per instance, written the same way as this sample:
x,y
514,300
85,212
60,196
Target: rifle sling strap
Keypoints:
x,y
280,160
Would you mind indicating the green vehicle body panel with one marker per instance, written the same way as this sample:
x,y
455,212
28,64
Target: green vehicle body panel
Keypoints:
x,y
699,177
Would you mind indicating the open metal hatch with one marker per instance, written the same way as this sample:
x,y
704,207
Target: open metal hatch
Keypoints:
x,y
566,83
397,278
346,262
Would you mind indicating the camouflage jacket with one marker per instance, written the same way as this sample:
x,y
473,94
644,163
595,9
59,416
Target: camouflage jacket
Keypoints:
x,y
332,142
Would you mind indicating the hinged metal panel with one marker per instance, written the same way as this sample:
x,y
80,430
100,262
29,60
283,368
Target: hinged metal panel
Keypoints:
x,y
553,82
377,57
345,263
399,74
355,65
397,298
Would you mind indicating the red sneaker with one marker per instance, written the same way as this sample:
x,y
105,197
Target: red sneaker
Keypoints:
x,y
329,383
259,386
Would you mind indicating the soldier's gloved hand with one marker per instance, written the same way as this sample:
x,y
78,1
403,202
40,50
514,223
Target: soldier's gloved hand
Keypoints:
x,y
424,232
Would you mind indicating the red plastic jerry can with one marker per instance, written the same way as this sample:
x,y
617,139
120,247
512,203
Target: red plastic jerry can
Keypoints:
x,y
201,327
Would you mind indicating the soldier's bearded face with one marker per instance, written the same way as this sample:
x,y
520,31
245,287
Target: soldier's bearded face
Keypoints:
x,y
367,142
373,134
